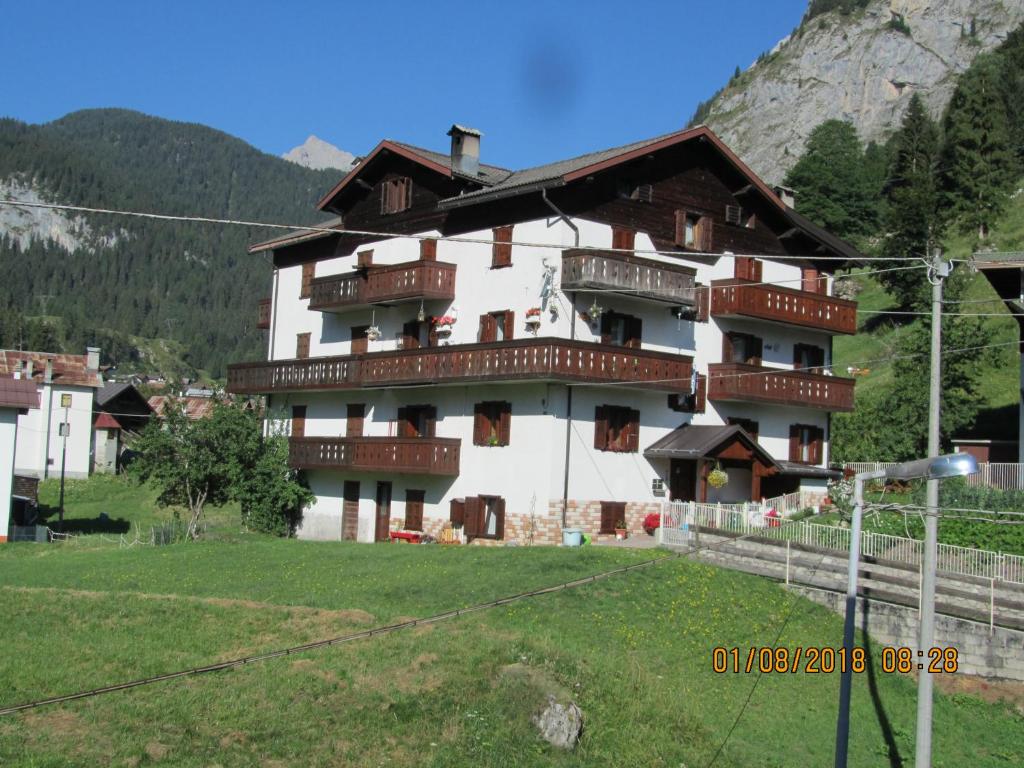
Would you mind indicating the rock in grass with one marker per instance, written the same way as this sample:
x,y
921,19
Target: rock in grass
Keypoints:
x,y
560,724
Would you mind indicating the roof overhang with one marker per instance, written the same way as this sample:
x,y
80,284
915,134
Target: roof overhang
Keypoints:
x,y
706,442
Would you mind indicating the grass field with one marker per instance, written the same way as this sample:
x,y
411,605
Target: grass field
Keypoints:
x,y
634,651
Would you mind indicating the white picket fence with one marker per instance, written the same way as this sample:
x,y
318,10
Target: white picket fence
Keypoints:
x,y
679,518
1006,476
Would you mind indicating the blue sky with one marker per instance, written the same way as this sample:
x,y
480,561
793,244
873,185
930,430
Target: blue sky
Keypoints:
x,y
542,80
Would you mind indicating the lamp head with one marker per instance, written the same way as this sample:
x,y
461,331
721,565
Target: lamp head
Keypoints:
x,y
937,468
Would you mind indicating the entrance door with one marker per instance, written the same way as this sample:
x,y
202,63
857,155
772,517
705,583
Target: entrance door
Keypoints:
x,y
350,511
682,484
380,532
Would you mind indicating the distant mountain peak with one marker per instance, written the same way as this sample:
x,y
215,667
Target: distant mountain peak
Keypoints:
x,y
318,154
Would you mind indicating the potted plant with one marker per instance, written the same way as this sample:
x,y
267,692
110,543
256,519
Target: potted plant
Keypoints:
x,y
621,532
533,319
717,478
443,324
373,333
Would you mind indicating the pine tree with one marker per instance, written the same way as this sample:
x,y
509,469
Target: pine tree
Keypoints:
x,y
832,186
977,159
911,223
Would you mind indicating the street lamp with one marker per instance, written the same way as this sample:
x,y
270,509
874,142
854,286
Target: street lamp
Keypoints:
x,y
937,468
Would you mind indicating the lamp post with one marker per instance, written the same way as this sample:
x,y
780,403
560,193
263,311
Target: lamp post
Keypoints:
x,y
938,468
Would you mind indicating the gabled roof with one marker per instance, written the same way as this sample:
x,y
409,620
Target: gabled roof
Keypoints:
x,y
18,393
70,370
699,442
106,421
298,236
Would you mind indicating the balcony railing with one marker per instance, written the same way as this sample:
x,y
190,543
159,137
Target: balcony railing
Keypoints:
x,y
757,384
521,359
383,285
263,314
406,455
733,296
629,275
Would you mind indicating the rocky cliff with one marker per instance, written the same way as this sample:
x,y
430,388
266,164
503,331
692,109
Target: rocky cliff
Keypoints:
x,y
318,154
862,67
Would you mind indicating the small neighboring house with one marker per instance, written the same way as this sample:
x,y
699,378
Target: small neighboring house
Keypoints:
x,y
62,424
195,407
17,398
993,438
121,412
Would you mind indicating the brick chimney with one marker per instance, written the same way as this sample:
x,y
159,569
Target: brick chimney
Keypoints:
x,y
465,150
786,195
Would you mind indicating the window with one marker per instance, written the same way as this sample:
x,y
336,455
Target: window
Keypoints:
x,y
308,272
298,421
808,356
616,428
65,401
693,230
483,517
414,509
623,238
621,330
302,345
747,268
415,335
355,414
695,401
806,443
417,421
741,348
395,195
612,513
492,423
501,250
750,426
811,281
497,326
628,190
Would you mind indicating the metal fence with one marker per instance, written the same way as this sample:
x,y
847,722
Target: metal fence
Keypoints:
x,y
678,518
1005,476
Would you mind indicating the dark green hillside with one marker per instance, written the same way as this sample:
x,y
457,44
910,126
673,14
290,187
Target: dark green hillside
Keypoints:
x,y
191,283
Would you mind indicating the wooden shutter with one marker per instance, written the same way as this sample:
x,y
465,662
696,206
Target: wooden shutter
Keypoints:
x,y
411,335
350,511
404,427
703,302
704,234
634,332
601,427
505,424
298,421
472,515
606,328
302,345
360,344
747,268
727,349
501,250
414,509
406,193
623,238
488,329
794,442
499,513
308,272
817,445
457,511
356,412
810,281
632,442
680,238
431,411
479,425
428,250
510,325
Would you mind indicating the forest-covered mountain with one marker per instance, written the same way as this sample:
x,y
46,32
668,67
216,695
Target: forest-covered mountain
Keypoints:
x,y
108,276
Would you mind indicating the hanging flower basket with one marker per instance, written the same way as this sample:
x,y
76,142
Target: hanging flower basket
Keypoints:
x,y
373,333
717,478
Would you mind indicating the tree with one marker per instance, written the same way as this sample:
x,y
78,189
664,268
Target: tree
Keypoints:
x,y
911,221
977,159
831,184
221,458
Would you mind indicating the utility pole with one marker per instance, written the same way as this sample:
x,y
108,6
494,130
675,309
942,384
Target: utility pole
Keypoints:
x,y
937,272
65,428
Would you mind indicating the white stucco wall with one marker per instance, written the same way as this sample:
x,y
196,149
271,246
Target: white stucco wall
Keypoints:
x,y
8,426
33,448
529,472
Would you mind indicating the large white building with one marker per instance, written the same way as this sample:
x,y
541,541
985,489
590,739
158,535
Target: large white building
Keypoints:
x,y
17,397
60,430
564,346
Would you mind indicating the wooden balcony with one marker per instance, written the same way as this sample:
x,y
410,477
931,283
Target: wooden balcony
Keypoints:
x,y
757,384
519,360
389,284
401,455
263,314
734,297
629,275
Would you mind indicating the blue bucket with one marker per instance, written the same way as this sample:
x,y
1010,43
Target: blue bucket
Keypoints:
x,y
572,537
